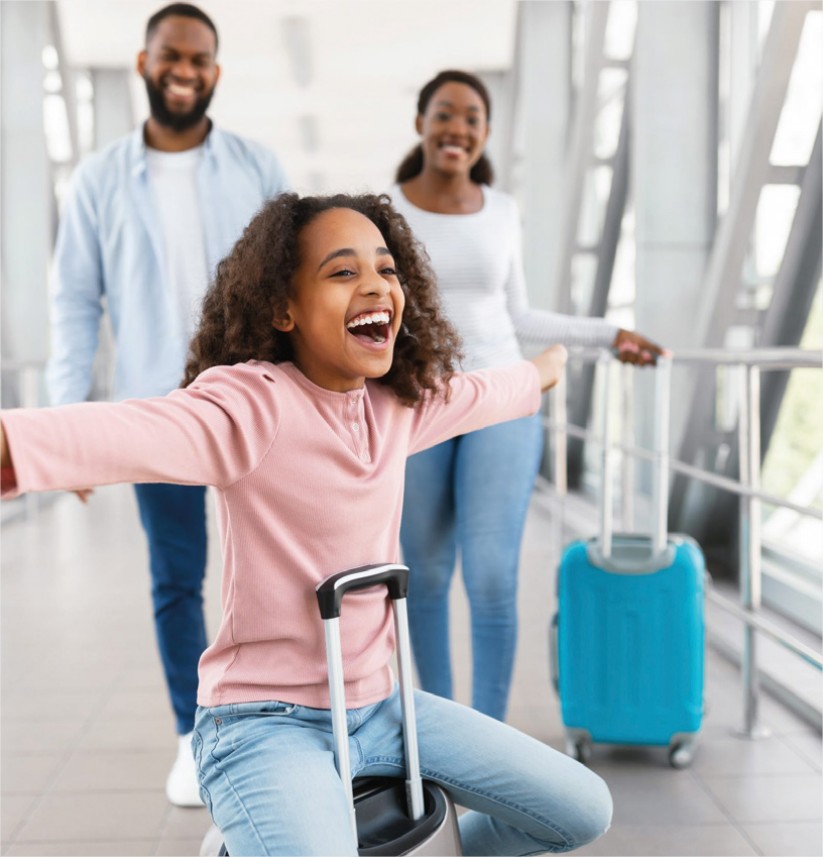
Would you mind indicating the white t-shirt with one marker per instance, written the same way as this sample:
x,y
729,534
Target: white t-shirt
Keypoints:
x,y
477,259
173,184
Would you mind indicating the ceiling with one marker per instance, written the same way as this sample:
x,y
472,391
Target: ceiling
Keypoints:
x,y
330,85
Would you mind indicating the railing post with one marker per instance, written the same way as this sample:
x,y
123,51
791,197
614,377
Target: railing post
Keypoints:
x,y
750,542
559,439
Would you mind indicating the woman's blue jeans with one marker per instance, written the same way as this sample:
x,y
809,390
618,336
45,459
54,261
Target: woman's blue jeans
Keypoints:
x,y
268,777
174,519
471,495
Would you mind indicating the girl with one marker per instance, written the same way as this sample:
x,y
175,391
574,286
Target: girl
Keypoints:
x,y
471,493
321,361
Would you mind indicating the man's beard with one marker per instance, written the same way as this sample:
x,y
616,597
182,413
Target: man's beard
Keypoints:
x,y
169,119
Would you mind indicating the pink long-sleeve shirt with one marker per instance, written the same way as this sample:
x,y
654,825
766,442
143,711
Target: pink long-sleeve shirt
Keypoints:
x,y
309,482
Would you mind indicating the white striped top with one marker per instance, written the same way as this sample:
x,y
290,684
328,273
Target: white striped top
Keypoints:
x,y
478,261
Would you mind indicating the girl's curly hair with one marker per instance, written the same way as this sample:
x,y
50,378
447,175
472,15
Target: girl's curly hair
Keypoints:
x,y
255,281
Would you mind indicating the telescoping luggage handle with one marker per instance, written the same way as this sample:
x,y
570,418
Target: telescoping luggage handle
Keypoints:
x,y
330,594
660,496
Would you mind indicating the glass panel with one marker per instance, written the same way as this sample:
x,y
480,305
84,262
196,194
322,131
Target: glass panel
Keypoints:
x,y
56,125
775,213
800,116
596,188
620,28
583,269
793,467
611,94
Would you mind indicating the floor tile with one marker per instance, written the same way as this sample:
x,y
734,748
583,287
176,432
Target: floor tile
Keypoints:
x,y
121,733
14,809
115,771
47,736
808,745
779,719
178,847
28,772
666,795
768,798
736,756
686,840
186,823
120,847
130,701
787,839
93,817
32,705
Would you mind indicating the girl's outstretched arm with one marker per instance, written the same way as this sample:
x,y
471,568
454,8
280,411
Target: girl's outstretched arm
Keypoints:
x,y
214,432
550,365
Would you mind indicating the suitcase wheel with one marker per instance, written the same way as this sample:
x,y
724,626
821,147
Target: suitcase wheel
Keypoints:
x,y
579,748
681,753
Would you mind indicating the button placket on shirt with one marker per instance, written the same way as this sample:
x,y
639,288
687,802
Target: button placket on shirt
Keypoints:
x,y
355,418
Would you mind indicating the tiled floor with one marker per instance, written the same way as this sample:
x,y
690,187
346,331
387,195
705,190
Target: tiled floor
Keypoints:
x,y
87,737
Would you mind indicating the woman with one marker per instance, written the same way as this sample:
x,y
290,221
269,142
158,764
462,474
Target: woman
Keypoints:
x,y
471,493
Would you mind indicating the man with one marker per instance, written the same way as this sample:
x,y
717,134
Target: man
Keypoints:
x,y
144,225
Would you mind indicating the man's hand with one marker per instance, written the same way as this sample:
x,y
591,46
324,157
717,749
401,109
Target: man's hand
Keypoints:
x,y
631,347
550,365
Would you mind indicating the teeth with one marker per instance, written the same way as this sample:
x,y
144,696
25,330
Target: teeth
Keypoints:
x,y
369,318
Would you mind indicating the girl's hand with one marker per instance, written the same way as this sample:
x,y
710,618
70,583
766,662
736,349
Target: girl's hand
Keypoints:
x,y
7,478
631,347
5,457
550,365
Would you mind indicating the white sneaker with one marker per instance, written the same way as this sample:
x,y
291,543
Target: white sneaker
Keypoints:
x,y
182,787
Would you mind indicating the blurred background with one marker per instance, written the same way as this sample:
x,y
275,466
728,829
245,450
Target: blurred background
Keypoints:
x,y
666,157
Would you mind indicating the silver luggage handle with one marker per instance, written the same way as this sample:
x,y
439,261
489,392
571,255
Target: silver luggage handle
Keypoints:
x,y
330,594
660,499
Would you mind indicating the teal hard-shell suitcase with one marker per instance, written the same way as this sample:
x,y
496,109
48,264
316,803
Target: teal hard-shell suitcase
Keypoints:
x,y
628,635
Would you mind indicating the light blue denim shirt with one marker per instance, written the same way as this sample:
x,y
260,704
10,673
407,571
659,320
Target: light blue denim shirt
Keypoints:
x,y
109,252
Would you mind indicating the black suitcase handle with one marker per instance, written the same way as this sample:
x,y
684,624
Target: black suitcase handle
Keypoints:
x,y
330,594
331,591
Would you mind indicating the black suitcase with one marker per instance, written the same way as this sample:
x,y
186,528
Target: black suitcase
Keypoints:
x,y
389,815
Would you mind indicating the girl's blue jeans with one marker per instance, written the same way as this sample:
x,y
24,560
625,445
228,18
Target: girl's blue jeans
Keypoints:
x,y
268,777
469,495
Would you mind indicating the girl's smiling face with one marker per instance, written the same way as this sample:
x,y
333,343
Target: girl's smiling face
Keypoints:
x,y
347,303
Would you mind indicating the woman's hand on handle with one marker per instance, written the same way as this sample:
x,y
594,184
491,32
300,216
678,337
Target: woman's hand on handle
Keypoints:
x,y
550,364
631,347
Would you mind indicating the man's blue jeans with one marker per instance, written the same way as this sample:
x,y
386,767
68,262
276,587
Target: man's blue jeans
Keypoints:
x,y
471,495
174,519
268,778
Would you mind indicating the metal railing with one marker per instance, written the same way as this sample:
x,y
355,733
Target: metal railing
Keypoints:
x,y
748,366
